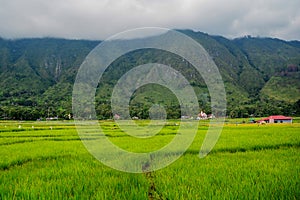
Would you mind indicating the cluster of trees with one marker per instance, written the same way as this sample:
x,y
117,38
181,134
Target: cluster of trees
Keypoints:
x,y
265,109
32,113
103,110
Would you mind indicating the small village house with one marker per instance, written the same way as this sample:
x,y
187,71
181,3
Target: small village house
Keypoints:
x,y
276,119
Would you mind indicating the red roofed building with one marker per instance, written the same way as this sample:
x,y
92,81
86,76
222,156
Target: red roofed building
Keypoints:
x,y
277,119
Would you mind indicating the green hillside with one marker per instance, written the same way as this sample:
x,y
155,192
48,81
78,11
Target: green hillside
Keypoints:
x,y
283,88
261,77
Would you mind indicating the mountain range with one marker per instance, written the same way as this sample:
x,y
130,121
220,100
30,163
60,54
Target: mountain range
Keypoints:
x,y
261,76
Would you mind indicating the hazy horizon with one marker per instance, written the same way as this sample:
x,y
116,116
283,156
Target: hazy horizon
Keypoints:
x,y
98,20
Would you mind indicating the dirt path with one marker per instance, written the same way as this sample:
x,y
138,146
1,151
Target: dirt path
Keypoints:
x,y
153,194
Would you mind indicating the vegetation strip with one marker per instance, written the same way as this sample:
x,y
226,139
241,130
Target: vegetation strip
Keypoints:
x,y
153,194
32,129
46,139
254,148
29,136
16,142
8,166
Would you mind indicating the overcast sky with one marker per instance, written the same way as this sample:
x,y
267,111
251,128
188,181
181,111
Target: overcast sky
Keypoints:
x,y
99,19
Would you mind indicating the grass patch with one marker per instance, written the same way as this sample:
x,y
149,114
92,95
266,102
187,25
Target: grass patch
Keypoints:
x,y
248,161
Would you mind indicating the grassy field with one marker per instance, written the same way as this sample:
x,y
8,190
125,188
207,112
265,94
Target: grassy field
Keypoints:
x,y
47,160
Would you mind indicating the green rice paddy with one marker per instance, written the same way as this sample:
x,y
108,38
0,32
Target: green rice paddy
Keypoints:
x,y
47,160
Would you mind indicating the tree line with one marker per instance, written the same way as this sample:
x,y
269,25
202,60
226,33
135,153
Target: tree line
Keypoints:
x,y
103,110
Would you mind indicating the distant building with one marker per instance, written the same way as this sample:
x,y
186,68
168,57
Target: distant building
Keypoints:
x,y
277,119
186,117
202,115
52,118
211,116
117,117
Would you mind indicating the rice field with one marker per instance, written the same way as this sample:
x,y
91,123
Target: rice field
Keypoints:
x,y
47,160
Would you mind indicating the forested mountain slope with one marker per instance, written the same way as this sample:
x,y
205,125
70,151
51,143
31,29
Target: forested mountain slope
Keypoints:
x,y
261,76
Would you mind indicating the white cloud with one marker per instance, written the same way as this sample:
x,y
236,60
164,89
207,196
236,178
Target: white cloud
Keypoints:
x,y
99,19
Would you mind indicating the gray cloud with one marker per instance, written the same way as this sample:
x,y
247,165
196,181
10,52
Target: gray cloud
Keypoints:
x,y
99,19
